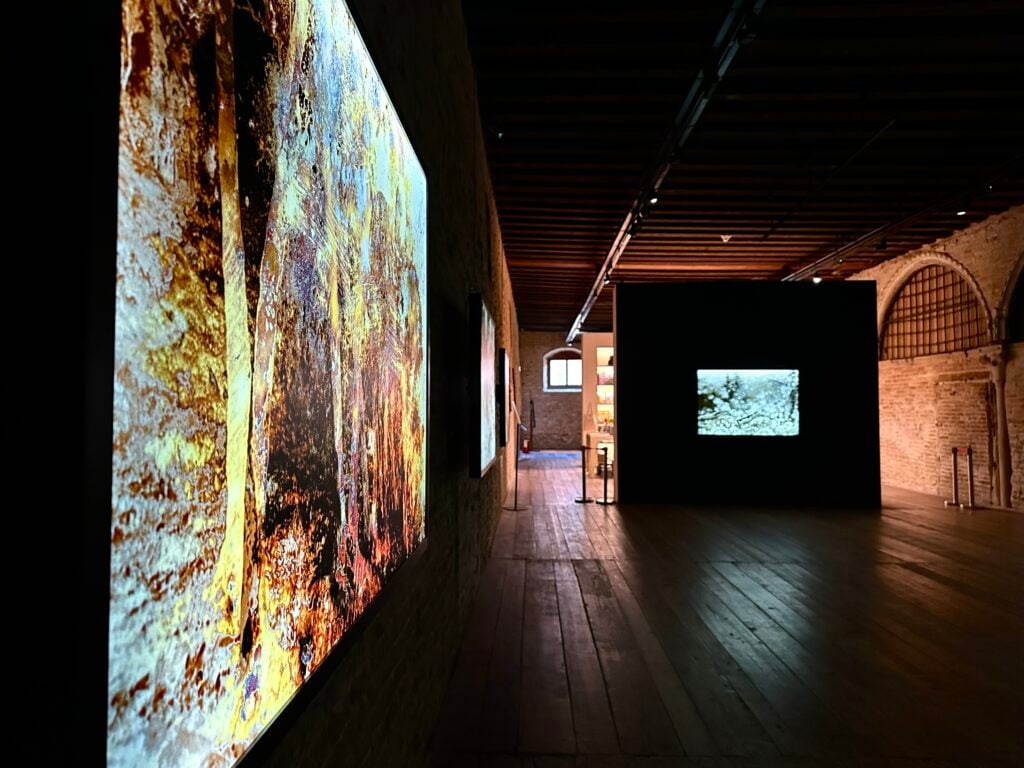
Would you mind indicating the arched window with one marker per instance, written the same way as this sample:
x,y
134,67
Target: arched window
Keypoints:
x,y
935,311
563,370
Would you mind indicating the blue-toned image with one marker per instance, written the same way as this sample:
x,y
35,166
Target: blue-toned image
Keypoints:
x,y
751,402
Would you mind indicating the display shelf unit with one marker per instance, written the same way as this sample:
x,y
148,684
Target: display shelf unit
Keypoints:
x,y
605,394
597,426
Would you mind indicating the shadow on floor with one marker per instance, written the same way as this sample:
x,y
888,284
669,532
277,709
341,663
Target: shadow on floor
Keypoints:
x,y
669,636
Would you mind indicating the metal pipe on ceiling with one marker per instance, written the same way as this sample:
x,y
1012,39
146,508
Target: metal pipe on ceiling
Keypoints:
x,y
835,172
839,255
738,27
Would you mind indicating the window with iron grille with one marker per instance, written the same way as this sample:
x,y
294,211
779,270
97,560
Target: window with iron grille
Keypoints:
x,y
936,311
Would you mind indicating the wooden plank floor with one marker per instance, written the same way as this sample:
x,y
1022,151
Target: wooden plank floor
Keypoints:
x,y
677,636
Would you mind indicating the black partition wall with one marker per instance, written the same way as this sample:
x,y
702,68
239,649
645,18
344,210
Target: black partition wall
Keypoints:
x,y
698,365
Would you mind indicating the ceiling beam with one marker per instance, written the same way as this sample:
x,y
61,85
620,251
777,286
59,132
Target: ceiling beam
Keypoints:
x,y
839,255
738,27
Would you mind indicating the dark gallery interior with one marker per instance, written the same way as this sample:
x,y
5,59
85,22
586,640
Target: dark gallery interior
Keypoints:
x,y
554,385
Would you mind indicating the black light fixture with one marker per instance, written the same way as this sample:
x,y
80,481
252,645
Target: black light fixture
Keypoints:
x,y
727,41
965,206
634,228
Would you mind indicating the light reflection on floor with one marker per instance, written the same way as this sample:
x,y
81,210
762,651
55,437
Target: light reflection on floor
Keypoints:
x,y
781,637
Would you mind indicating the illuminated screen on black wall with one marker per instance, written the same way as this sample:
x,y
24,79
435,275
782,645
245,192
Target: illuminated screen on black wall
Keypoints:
x,y
270,413
748,402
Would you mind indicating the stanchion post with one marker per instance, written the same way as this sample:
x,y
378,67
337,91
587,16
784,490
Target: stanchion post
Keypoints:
x,y
956,484
970,478
956,478
584,499
515,494
604,471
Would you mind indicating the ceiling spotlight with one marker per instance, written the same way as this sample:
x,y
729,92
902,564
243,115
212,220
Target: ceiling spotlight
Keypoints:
x,y
607,279
726,238
961,213
816,279
501,135
653,200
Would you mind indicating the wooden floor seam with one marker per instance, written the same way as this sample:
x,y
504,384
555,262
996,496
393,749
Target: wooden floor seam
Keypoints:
x,y
613,637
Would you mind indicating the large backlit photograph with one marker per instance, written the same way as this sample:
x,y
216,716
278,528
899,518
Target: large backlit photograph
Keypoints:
x,y
269,436
488,399
759,403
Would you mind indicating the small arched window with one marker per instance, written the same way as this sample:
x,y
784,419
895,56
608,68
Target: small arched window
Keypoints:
x,y
563,370
935,311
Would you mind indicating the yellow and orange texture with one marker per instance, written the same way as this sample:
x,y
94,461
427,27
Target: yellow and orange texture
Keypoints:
x,y
270,406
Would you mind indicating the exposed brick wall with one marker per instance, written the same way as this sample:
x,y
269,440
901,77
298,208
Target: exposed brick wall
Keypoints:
x,y
1015,419
909,446
927,406
378,706
931,403
965,416
558,413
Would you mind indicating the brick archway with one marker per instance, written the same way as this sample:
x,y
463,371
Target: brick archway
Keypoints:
x,y
913,266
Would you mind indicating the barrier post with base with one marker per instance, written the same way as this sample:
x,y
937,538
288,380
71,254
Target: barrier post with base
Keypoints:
x,y
515,497
604,471
970,478
584,499
955,501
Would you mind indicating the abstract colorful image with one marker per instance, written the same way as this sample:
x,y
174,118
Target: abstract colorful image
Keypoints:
x,y
270,381
488,390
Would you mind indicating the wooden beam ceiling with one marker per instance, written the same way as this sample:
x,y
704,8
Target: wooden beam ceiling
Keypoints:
x,y
835,120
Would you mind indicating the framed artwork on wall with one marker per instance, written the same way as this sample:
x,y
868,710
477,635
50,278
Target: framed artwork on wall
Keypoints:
x,y
270,379
483,421
504,399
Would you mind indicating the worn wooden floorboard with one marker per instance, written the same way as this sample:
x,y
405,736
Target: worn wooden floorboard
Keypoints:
x,y
649,637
